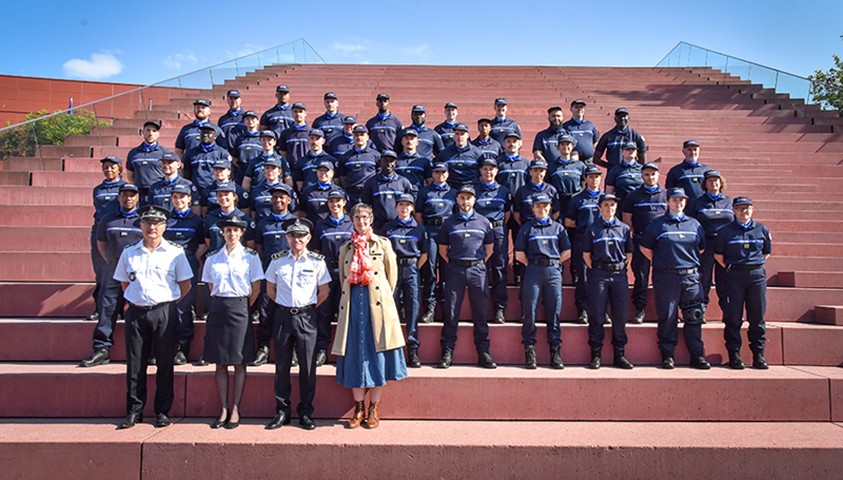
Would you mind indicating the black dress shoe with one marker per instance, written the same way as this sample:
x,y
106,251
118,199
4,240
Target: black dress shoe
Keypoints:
x,y
413,360
556,358
262,356
499,317
307,423
218,424
280,419
621,361
759,362
447,358
179,359
735,362
295,361
99,357
668,363
152,361
202,318
582,318
321,358
530,358
485,360
639,316
596,361
162,420
130,421
229,425
94,317
700,363
607,320
428,316
201,363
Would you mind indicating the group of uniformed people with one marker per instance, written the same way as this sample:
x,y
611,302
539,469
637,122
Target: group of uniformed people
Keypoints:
x,y
460,213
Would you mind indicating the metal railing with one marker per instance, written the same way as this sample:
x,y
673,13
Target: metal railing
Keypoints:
x,y
105,110
685,54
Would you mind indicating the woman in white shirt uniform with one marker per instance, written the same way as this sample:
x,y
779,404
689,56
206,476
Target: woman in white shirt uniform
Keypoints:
x,y
233,274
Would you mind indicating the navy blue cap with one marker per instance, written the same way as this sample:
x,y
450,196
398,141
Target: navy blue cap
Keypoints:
x,y
621,111
382,96
466,189
538,163
349,119
129,187
512,133
676,193
203,101
112,159
389,153
566,138
299,105
451,105
208,126
741,201
325,164
500,101
269,133
439,167
169,157
250,113
154,123
228,187
360,129
233,93
405,197
419,108
336,194
712,173
408,131
232,221
283,188
222,164
461,127
271,162
592,170
554,108
153,213
690,143
541,198
282,88
181,188
650,165
578,102
483,119
330,95
488,161
607,196
297,226
316,132
627,145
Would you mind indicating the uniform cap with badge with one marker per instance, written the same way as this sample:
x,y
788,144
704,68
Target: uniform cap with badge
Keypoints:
x,y
227,187
566,138
651,166
181,188
592,170
153,123
282,188
630,146
233,94
282,89
466,189
129,187
330,95
405,197
440,167
451,105
607,196
269,134
712,174
741,201
232,222
334,193
250,113
389,153
541,198
316,132
297,227
512,133
299,105
488,161
349,120
112,159
325,164
690,143
461,127
360,129
270,162
153,213
203,102
222,164
408,131
676,192
538,163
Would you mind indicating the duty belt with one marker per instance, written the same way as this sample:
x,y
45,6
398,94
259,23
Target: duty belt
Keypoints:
x,y
466,263
609,267
433,221
147,308
544,262
744,267
678,271
333,263
408,260
296,310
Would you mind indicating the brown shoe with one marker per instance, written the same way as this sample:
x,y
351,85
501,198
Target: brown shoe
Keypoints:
x,y
359,415
373,421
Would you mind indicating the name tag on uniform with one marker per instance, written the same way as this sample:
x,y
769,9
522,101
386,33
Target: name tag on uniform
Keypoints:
x,y
695,180
488,202
466,235
145,163
277,237
307,271
746,246
179,234
681,235
123,234
610,243
544,242
402,241
388,195
441,204
459,164
337,237
717,212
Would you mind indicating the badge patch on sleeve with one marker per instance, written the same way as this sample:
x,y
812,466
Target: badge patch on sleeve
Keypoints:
x,y
132,276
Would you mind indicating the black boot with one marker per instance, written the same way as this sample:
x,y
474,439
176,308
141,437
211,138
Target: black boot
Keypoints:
x,y
759,362
530,357
596,355
735,362
621,361
556,358
262,356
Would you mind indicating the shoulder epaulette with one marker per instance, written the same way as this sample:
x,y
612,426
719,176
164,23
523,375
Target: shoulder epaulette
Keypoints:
x,y
317,256
251,251
212,252
282,253
175,244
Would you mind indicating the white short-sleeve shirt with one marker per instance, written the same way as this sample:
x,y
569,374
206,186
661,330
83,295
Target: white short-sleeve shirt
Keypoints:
x,y
297,280
153,276
232,274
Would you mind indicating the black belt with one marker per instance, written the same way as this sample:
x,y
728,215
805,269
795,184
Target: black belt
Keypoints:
x,y
333,263
355,189
609,267
408,260
496,223
565,195
296,310
678,271
149,307
433,221
544,262
743,267
466,263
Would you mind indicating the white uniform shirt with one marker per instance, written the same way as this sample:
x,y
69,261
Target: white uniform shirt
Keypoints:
x,y
232,274
152,276
297,281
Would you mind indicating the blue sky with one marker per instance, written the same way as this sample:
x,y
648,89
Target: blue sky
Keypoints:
x,y
144,42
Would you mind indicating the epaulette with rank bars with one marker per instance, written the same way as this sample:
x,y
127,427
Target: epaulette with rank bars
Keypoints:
x,y
317,256
210,253
132,244
175,244
251,251
282,253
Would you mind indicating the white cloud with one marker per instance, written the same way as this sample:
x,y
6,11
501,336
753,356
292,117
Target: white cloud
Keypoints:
x,y
99,67
178,60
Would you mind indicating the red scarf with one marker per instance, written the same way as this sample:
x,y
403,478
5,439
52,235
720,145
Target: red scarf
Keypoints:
x,y
361,263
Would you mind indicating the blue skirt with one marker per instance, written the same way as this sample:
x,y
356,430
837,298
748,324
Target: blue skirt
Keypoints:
x,y
362,366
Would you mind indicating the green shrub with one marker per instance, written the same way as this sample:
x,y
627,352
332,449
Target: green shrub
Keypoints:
x,y
21,142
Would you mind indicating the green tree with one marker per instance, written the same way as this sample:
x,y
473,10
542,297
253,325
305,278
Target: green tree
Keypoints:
x,y
21,141
827,87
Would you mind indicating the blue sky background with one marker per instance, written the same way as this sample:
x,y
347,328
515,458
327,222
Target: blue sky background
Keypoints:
x,y
145,42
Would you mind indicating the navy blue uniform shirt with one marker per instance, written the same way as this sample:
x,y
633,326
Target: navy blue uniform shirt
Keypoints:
x,y
414,168
254,170
430,143
293,142
230,120
383,129
409,239
689,176
357,166
330,124
436,201
340,144
208,196
567,177
612,143
625,177
189,137
608,242
278,118
270,236
466,237
493,201
214,233
542,239
330,234
546,141
185,229
314,200
676,242
502,126
586,135
645,204
583,209
144,161
713,213
513,172
161,192
488,148
198,164
523,200
744,244
118,230
446,132
261,200
380,192
462,163
105,198
305,170
246,146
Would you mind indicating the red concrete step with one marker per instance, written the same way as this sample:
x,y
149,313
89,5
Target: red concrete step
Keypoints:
x,y
70,341
74,165
14,178
440,449
806,344
91,140
28,215
55,239
64,196
28,164
829,314
470,393
804,279
67,179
